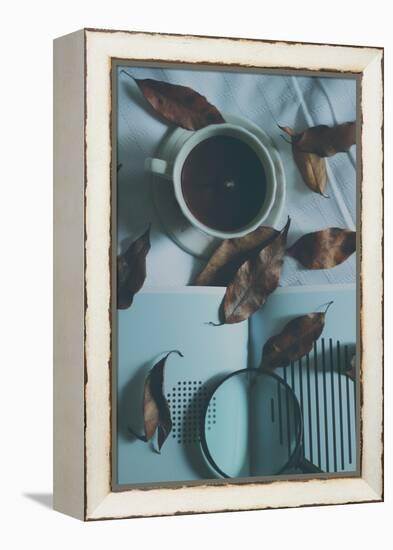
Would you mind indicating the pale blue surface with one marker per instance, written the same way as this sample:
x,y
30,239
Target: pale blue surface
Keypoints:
x,y
156,323
160,321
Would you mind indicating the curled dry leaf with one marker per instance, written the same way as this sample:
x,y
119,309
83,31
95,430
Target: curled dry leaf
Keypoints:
x,y
326,141
179,105
156,413
324,249
312,169
311,166
255,279
230,254
155,406
131,270
294,341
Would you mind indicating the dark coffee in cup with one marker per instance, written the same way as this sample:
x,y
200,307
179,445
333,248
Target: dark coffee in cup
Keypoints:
x,y
223,183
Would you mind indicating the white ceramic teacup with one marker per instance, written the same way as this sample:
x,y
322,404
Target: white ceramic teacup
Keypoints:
x,y
171,169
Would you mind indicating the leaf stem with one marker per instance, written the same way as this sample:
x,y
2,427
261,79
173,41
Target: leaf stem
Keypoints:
x,y
286,139
126,73
285,229
210,323
175,351
328,306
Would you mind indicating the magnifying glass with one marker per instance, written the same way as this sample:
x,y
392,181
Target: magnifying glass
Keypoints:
x,y
252,426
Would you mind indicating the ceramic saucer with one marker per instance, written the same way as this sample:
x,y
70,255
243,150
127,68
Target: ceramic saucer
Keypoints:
x,y
189,238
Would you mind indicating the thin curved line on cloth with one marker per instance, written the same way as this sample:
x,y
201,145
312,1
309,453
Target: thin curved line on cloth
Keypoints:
x,y
273,139
332,180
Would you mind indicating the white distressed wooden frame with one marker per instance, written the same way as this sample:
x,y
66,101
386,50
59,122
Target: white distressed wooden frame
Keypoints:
x,y
82,207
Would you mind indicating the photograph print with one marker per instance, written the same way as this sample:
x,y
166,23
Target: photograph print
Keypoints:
x,y
235,314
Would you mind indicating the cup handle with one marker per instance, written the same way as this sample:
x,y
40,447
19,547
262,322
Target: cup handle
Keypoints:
x,y
158,167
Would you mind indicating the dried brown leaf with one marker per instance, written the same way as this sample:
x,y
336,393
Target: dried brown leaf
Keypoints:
x,y
312,169
230,254
255,279
156,411
326,141
294,341
311,166
131,270
324,249
179,105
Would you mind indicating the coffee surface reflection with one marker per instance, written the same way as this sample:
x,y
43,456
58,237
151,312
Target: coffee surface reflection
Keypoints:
x,y
223,183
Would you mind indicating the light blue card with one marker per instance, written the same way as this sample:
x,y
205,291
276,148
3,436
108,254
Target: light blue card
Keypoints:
x,y
161,320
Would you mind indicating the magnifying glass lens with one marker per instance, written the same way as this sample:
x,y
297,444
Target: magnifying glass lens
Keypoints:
x,y
252,425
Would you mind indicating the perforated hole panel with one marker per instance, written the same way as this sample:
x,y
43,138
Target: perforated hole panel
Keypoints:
x,y
187,401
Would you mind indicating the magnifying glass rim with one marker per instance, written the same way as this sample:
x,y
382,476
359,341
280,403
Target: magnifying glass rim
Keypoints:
x,y
258,372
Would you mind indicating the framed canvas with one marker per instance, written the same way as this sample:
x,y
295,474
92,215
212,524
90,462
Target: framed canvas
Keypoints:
x,y
218,330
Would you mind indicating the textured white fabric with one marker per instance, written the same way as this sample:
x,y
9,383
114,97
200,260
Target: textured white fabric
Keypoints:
x,y
267,100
